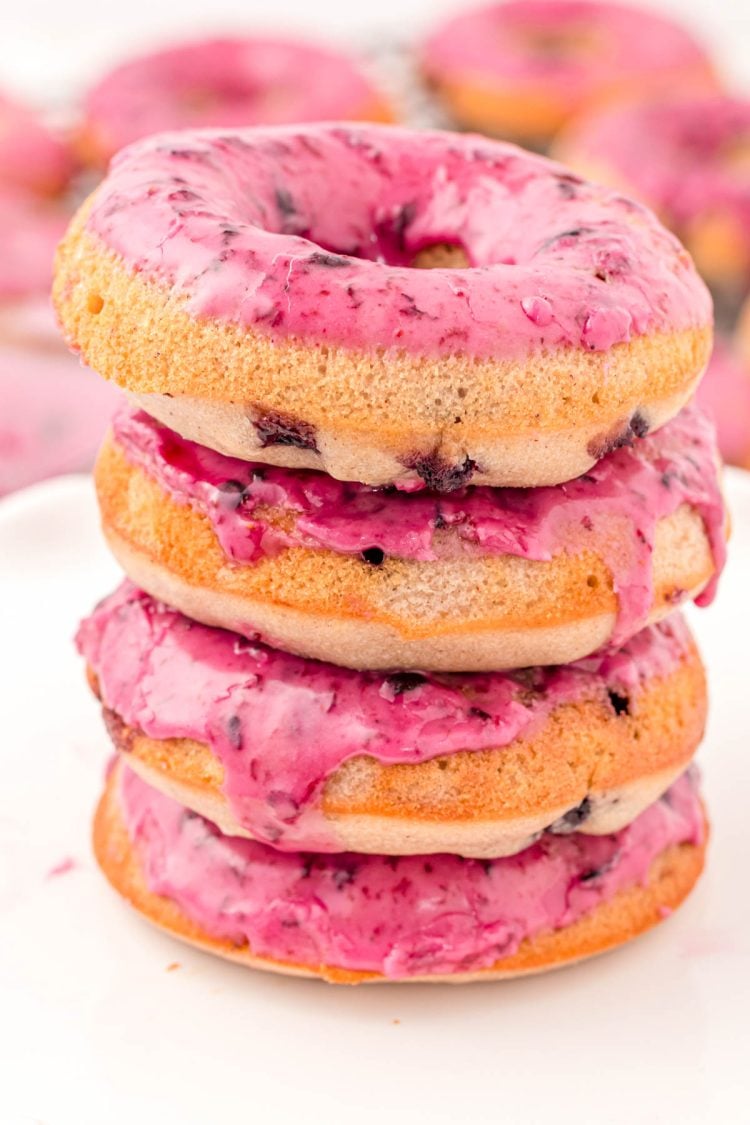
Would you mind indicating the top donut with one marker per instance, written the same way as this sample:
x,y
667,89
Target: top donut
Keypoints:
x,y
524,68
259,291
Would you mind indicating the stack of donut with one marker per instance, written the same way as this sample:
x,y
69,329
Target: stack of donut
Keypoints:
x,y
408,492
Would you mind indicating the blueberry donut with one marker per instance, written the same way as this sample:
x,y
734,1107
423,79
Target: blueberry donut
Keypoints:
x,y
476,580
52,416
259,292
30,230
724,395
309,756
687,158
229,82
524,68
350,918
32,158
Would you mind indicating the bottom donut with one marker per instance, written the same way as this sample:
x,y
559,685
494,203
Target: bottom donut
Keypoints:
x,y
351,918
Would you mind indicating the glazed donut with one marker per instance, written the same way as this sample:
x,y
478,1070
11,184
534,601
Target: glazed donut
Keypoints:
x,y
309,756
256,292
477,580
52,416
228,82
724,394
686,158
30,229
32,158
523,68
349,918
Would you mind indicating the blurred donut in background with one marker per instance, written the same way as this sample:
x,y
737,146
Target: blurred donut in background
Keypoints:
x,y
688,159
224,82
522,69
32,158
53,413
724,394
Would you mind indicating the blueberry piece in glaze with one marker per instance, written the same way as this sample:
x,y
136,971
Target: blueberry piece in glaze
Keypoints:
x,y
231,493
328,261
275,428
401,682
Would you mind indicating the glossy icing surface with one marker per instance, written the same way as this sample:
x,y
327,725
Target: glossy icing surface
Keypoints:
x,y
309,233
281,724
228,82
402,916
582,46
258,510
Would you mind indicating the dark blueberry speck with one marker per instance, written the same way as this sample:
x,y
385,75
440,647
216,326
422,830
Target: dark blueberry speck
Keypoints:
x,y
594,873
620,703
234,731
329,261
572,819
285,203
401,682
478,713
374,556
231,493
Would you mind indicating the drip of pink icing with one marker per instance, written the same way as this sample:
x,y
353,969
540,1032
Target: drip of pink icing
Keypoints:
x,y
583,47
686,158
309,233
400,916
724,393
634,487
227,82
281,724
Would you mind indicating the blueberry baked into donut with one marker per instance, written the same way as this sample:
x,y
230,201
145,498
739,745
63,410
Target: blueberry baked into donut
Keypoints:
x,y
408,493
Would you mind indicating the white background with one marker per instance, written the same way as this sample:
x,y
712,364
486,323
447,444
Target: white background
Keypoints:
x,y
51,47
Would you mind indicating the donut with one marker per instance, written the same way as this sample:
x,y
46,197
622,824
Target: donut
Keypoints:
x,y
257,292
310,756
32,158
52,416
724,394
687,158
350,918
474,581
524,68
228,82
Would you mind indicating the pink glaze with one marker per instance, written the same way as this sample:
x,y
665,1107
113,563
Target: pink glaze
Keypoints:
x,y
724,393
310,232
226,82
634,486
687,158
29,233
578,49
53,413
32,158
281,724
399,916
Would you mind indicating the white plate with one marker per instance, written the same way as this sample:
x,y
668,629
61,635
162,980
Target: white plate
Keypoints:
x,y
104,1020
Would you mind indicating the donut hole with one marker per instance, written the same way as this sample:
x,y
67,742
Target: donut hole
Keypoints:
x,y
443,256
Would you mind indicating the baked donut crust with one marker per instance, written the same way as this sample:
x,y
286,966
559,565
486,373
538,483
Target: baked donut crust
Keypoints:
x,y
482,803
464,614
525,406
629,913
